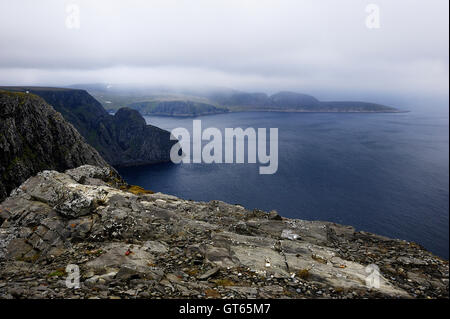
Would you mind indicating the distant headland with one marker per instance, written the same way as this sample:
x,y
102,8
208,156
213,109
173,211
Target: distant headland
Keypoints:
x,y
189,102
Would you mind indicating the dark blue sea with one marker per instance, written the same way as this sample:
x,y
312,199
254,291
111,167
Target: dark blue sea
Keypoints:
x,y
383,173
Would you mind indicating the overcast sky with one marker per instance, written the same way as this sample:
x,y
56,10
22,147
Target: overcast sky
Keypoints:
x,y
307,46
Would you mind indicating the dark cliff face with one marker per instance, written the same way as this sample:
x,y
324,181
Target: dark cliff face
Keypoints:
x,y
122,139
138,142
34,137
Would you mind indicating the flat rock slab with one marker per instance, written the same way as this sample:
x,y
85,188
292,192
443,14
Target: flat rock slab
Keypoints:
x,y
209,273
116,256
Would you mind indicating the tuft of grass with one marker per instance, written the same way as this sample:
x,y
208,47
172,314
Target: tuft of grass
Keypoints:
x,y
60,272
95,252
303,274
211,293
30,259
137,190
224,282
192,272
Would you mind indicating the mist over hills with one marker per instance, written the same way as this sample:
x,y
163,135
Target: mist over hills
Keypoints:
x,y
161,100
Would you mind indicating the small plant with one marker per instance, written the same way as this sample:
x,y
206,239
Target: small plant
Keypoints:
x,y
58,273
211,293
303,274
95,252
224,282
192,272
137,190
31,259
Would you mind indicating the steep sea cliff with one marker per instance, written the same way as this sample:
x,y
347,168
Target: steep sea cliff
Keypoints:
x,y
34,137
122,139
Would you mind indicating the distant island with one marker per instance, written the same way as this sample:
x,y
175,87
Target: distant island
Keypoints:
x,y
171,102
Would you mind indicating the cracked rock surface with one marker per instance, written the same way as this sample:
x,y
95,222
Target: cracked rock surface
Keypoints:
x,y
141,245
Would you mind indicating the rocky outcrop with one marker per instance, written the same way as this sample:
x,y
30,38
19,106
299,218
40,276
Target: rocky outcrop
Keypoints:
x,y
129,243
133,142
123,139
34,137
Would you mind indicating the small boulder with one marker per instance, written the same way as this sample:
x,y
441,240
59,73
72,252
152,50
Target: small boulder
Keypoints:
x,y
209,273
273,215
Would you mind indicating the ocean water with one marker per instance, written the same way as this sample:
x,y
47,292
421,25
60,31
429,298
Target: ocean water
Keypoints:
x,y
383,173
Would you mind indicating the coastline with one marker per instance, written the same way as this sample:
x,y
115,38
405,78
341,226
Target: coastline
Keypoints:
x,y
268,111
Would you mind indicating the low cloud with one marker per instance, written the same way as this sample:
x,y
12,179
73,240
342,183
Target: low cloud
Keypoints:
x,y
308,46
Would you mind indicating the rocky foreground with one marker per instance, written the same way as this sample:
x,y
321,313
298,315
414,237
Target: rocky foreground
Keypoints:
x,y
130,243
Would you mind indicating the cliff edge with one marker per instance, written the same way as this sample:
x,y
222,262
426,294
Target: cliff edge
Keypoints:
x,y
34,137
123,139
129,243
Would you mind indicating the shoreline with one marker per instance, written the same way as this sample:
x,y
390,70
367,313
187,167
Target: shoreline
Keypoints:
x,y
267,111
